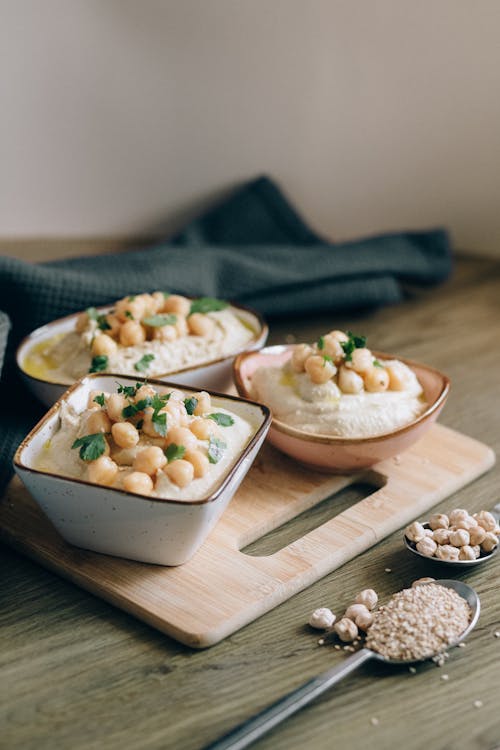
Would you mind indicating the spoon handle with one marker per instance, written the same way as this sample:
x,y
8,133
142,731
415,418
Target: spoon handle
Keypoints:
x,y
249,731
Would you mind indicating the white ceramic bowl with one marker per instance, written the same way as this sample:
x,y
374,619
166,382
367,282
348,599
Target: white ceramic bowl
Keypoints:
x,y
115,522
216,374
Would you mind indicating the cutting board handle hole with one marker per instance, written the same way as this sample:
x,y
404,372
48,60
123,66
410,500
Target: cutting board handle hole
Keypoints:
x,y
324,510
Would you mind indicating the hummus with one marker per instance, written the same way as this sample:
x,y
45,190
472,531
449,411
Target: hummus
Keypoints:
x,y
374,408
151,349
214,441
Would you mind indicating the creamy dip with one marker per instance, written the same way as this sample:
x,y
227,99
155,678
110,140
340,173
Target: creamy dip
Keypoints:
x,y
59,456
68,357
323,409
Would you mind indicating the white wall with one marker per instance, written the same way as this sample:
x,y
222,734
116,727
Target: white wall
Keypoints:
x,y
118,116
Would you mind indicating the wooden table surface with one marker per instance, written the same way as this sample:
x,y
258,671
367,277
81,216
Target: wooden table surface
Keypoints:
x,y
78,674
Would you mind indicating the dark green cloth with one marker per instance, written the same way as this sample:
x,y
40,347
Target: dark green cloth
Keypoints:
x,y
253,249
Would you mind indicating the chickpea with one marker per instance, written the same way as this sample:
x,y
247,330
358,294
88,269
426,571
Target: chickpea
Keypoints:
x,y
138,482
98,421
489,542
132,333
415,532
165,333
130,309
102,471
362,361
125,434
363,621
82,322
175,394
368,597
466,553
398,376
322,618
115,325
148,426
339,335
301,352
180,472
145,391
349,381
477,550
376,380
115,404
426,546
175,303
438,521
429,533
447,552
200,325
181,326
355,611
201,428
149,304
103,345
332,347
456,515
459,538
177,414
486,520
200,462
204,403
91,404
319,369
465,523
159,301
477,535
149,460
182,436
441,536
346,630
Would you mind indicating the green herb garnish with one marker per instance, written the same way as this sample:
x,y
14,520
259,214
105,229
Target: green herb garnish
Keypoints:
x,y
321,343
376,363
129,390
92,313
91,446
129,315
100,399
158,321
326,358
223,420
352,343
190,404
166,294
216,448
99,363
207,304
159,420
174,452
132,409
131,298
144,362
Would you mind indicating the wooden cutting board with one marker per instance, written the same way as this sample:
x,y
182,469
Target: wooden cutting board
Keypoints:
x,y
221,588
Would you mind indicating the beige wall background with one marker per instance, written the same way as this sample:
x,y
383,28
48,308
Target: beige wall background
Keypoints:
x,y
123,117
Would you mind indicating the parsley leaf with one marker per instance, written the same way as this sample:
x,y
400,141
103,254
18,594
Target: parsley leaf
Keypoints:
x,y
132,409
166,294
216,448
207,304
129,315
131,298
100,399
173,452
352,343
91,446
326,358
158,321
224,420
128,390
321,343
99,363
102,323
376,363
144,362
159,421
191,404
92,313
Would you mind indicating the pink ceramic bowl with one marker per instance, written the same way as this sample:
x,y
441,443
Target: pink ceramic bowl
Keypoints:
x,y
336,454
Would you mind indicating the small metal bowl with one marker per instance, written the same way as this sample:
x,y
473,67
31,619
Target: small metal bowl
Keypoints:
x,y
484,556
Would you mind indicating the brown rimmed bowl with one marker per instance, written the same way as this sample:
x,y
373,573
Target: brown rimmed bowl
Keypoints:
x,y
337,454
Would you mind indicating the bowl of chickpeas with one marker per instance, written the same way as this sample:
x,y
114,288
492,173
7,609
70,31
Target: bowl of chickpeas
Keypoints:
x,y
338,406
140,469
162,335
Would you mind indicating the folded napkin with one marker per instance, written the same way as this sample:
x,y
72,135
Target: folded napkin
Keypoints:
x,y
253,249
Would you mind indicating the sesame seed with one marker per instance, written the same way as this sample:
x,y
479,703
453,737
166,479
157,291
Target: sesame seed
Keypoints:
x,y
374,721
462,645
388,570
321,642
413,670
497,634
478,704
337,647
445,677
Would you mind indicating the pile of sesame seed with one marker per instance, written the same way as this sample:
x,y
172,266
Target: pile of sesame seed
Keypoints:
x,y
418,622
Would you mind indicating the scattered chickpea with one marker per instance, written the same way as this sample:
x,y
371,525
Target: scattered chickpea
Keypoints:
x,y
102,471
114,326
200,462
301,352
486,520
466,553
138,482
349,381
346,630
489,542
319,369
368,597
181,326
415,532
201,428
82,322
361,361
149,460
447,552
427,546
458,514
477,535
204,403
98,421
115,405
165,333
459,538
182,436
180,472
175,303
125,434
145,391
398,376
132,333
91,404
439,521
332,347
441,536
200,325
104,345
322,618
364,621
355,611
376,380
128,310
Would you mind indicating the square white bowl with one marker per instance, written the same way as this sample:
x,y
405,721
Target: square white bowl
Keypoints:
x,y
115,522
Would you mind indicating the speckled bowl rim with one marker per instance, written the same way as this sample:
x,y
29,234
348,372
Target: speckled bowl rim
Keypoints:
x,y
258,340
333,439
163,384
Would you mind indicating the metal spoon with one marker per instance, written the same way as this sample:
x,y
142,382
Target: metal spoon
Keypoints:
x,y
456,563
251,730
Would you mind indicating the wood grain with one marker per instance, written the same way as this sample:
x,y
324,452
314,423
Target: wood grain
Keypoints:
x,y
77,673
